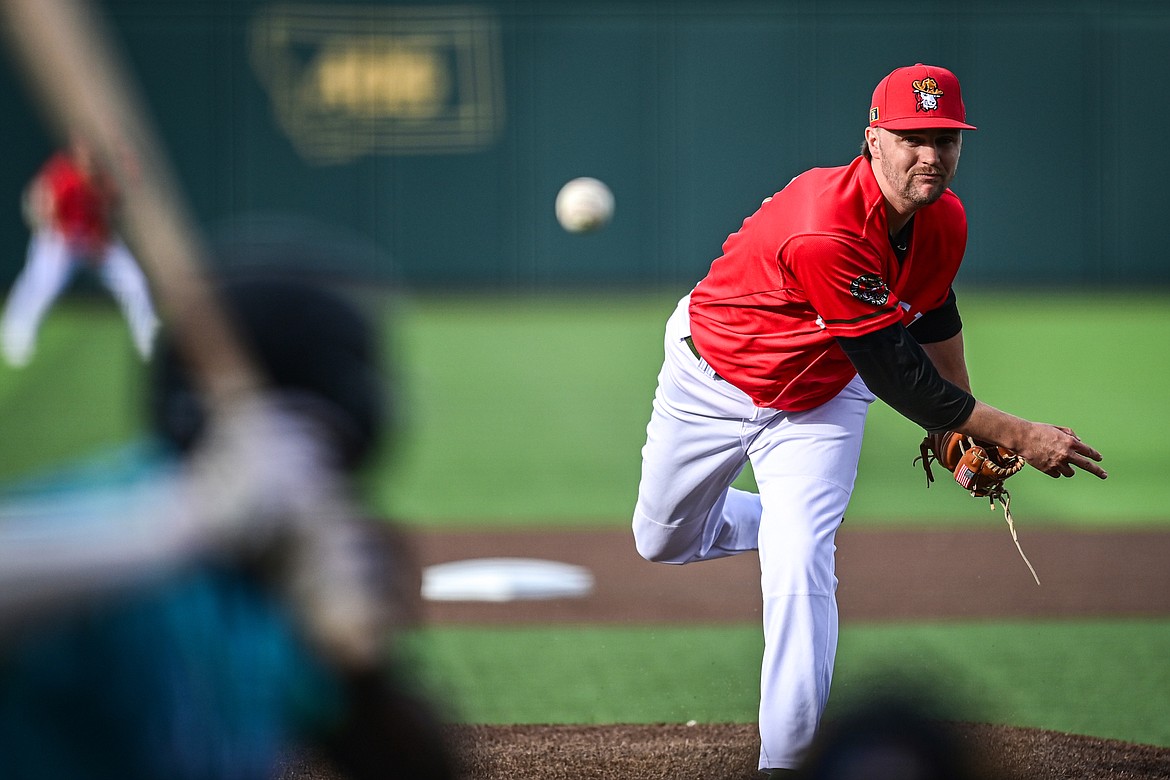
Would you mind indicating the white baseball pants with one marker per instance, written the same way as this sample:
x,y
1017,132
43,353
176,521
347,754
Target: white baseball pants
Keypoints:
x,y
702,433
50,264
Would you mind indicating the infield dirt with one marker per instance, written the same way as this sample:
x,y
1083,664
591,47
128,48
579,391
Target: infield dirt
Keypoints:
x,y
888,574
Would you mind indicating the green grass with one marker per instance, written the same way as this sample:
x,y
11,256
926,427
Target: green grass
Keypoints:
x,y
1104,678
524,410
81,395
532,410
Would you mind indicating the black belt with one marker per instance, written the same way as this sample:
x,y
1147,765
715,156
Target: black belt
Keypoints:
x,y
695,351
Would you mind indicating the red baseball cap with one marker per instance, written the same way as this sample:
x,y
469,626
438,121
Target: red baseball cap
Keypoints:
x,y
919,97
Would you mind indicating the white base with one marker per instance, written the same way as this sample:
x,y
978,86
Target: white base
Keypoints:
x,y
505,579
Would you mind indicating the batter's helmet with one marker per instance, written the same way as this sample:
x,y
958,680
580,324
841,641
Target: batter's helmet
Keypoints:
x,y
305,339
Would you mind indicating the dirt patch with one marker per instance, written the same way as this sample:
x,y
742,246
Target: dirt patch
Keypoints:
x,y
885,575
728,752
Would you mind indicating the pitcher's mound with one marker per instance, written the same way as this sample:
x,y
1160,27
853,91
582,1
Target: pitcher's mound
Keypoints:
x,y
728,752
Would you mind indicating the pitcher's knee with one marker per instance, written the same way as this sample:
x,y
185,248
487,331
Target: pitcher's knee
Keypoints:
x,y
652,550
659,543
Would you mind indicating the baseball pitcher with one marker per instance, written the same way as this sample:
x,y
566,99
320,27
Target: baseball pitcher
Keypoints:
x,y
836,291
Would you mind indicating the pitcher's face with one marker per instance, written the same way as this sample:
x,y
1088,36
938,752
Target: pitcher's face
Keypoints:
x,y
915,167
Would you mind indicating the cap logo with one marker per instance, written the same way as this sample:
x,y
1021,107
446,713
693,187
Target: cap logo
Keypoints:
x,y
873,115
927,92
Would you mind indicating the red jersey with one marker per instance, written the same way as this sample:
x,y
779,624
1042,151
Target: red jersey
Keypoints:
x,y
814,262
80,205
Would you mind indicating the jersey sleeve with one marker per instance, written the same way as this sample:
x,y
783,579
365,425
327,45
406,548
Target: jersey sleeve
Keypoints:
x,y
938,324
897,370
844,284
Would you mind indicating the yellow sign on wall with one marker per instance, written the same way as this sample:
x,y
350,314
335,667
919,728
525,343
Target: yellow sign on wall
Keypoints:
x,y
347,81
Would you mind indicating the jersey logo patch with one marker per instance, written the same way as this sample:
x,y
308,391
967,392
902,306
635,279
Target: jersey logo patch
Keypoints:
x,y
870,288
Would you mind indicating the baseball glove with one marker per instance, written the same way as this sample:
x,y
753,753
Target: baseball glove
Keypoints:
x,y
980,467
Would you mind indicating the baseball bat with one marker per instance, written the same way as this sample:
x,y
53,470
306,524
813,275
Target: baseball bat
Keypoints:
x,y
76,77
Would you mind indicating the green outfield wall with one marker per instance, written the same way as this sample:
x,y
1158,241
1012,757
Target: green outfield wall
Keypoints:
x,y
441,132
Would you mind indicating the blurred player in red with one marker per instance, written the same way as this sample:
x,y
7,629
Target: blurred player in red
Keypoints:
x,y
70,206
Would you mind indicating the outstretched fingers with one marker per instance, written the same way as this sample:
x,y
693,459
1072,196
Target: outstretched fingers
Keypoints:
x,y
1060,453
1086,458
1078,455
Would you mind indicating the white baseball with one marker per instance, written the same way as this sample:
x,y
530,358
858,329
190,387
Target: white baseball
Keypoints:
x,y
584,204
